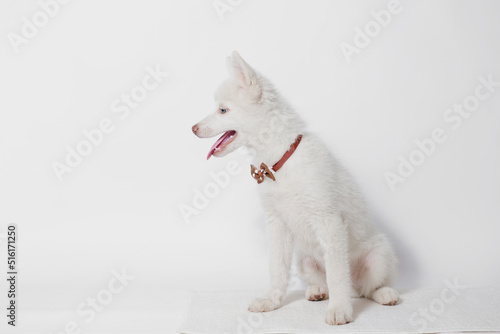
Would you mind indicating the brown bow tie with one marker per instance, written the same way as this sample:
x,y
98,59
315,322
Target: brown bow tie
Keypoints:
x,y
259,174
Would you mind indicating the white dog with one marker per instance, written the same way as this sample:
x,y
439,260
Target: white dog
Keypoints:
x,y
313,204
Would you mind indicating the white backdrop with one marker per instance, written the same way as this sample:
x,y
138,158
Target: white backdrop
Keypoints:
x,y
369,89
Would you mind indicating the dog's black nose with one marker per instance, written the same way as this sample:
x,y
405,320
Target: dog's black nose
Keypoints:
x,y
195,128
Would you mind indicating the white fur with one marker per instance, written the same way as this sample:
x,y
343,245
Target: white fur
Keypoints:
x,y
313,206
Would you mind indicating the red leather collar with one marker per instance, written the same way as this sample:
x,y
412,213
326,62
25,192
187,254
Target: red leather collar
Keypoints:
x,y
287,154
259,174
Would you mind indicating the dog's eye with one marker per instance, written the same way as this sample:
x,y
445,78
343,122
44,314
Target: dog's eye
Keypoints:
x,y
222,110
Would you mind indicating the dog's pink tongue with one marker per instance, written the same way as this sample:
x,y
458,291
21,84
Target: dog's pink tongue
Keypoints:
x,y
217,143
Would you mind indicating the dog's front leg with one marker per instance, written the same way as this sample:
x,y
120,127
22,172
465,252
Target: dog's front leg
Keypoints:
x,y
281,249
332,235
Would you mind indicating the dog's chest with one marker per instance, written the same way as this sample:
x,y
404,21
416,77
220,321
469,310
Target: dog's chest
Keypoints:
x,y
285,202
280,198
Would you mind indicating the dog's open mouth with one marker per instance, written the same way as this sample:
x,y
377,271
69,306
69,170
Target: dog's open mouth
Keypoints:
x,y
222,142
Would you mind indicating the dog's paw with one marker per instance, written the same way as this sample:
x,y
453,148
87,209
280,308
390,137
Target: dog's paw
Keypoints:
x,y
339,314
385,296
263,305
316,292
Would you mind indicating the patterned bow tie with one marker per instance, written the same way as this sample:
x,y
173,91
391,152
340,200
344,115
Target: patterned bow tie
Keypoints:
x,y
259,174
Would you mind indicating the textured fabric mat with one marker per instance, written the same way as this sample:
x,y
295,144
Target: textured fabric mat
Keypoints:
x,y
451,309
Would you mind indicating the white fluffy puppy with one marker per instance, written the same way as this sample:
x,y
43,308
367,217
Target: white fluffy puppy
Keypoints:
x,y
313,204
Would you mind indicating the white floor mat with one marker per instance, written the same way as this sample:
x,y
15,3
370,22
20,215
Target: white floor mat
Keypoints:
x,y
419,311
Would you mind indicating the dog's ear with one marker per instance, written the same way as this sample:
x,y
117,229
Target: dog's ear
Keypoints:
x,y
244,75
241,71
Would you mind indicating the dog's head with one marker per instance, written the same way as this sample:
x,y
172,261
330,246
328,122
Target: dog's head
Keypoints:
x,y
238,108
